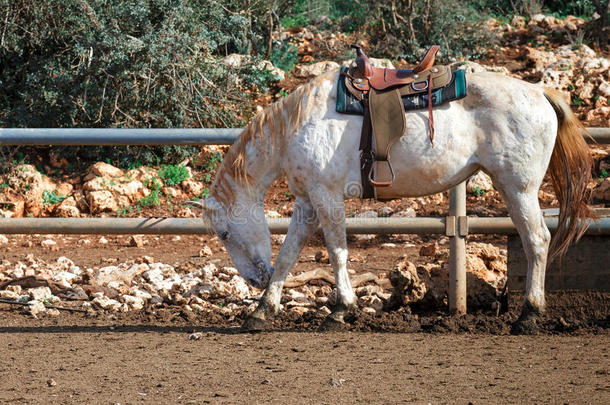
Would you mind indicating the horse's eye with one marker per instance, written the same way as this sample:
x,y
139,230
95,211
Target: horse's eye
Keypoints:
x,y
224,235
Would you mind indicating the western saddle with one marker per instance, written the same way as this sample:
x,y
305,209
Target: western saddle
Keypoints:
x,y
380,91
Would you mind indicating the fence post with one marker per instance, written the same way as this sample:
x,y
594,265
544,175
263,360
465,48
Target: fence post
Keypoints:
x,y
457,249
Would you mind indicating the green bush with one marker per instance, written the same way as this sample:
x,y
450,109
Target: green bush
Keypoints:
x,y
137,63
284,55
173,174
409,29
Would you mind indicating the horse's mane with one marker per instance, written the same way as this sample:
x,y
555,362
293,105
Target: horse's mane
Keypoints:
x,y
282,117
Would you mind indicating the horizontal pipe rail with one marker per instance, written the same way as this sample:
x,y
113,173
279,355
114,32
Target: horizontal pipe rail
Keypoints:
x,y
599,135
182,226
152,136
117,136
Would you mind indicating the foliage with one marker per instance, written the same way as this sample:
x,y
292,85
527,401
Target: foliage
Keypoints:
x,y
154,198
410,27
284,55
137,63
51,198
350,15
173,174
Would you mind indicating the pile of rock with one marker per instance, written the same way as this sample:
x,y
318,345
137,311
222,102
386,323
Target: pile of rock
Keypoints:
x,y
104,189
427,285
141,283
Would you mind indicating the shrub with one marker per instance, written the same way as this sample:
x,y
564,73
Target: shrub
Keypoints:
x,y
173,174
407,30
51,198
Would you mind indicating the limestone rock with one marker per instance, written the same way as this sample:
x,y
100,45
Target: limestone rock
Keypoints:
x,y
192,187
315,69
407,285
479,182
102,201
103,169
27,181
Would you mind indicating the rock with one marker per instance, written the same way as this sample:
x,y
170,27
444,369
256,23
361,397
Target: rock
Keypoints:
x,y
107,303
234,60
407,285
67,209
367,214
103,169
385,211
315,69
39,293
273,214
604,89
429,249
3,240
479,182
101,201
406,213
51,382
369,310
473,67
195,336
602,191
9,295
27,181
136,241
518,22
65,279
171,192
192,188
36,308
278,239
537,18
540,58
592,66
239,287
205,251
322,257
324,310
103,240
136,303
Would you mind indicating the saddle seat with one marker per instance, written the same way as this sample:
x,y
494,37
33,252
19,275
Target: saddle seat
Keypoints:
x,y
383,78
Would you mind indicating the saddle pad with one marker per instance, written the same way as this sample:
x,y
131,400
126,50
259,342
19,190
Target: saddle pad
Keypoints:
x,y
455,90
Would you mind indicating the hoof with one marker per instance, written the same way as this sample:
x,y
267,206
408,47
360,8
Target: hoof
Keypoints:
x,y
527,324
332,324
253,324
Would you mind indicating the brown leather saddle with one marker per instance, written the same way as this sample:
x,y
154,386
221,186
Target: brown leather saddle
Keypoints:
x,y
381,91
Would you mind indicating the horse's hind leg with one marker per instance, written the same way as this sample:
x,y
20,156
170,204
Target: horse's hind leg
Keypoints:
x,y
525,212
303,224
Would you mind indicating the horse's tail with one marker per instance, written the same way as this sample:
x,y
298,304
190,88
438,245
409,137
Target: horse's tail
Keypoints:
x,y
570,171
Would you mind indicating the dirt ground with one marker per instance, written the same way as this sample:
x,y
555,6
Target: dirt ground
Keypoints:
x,y
160,364
398,357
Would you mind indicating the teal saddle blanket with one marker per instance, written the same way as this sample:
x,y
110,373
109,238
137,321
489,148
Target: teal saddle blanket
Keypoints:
x,y
456,89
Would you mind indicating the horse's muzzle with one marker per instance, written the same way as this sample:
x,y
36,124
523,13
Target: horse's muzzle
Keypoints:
x,y
263,275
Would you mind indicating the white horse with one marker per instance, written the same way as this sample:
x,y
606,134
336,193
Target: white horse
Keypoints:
x,y
509,128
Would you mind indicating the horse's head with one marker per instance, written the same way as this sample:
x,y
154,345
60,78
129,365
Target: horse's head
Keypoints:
x,y
243,231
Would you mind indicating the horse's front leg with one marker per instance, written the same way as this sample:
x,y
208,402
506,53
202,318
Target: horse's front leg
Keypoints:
x,y
303,224
330,209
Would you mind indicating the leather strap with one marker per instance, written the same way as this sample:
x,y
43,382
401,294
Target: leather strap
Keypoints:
x,y
430,113
366,153
428,60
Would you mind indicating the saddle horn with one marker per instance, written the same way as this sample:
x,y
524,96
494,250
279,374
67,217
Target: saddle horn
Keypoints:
x,y
363,65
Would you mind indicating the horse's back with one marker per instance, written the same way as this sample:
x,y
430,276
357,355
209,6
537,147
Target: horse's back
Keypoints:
x,y
502,124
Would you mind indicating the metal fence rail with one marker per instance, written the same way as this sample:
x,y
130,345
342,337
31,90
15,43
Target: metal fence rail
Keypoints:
x,y
457,225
